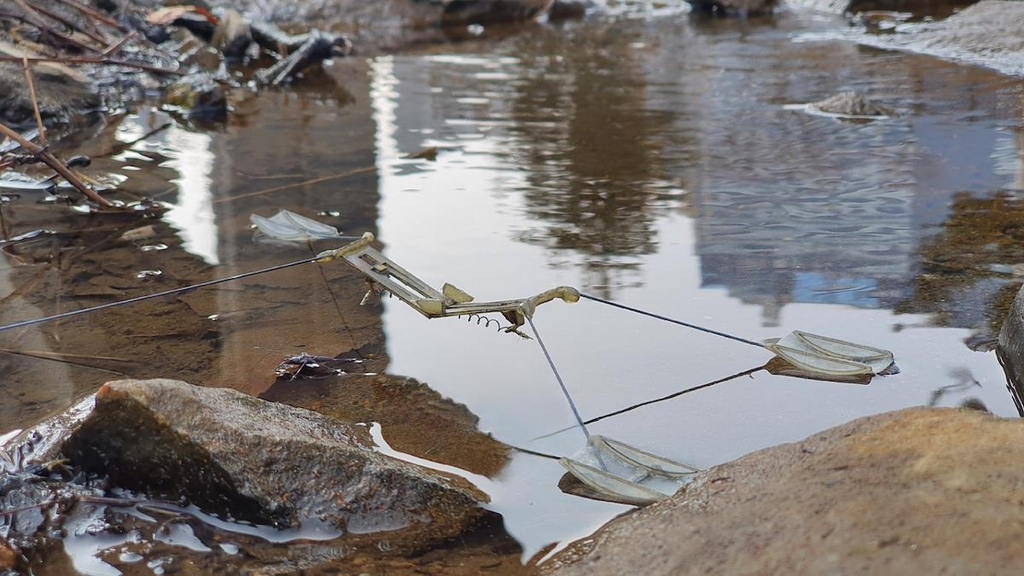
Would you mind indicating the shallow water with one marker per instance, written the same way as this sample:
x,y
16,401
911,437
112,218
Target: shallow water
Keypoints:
x,y
654,164
647,161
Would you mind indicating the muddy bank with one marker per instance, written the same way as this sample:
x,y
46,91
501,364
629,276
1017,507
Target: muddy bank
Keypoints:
x,y
920,491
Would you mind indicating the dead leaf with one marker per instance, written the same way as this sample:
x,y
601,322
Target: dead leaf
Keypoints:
x,y
166,16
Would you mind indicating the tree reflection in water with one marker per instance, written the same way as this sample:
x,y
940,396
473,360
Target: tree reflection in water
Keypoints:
x,y
587,136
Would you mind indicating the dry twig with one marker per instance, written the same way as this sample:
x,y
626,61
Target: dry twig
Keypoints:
x,y
110,61
93,14
71,25
26,508
83,360
297,184
35,102
62,356
36,20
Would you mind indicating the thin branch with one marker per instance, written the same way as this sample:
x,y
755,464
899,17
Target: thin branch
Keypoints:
x,y
26,508
62,356
81,360
35,102
37,21
110,61
93,14
54,163
71,25
117,46
297,184
5,230
122,146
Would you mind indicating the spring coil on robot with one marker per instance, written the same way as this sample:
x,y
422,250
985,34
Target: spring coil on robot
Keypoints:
x,y
480,319
484,321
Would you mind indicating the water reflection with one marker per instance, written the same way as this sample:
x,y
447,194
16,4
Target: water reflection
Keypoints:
x,y
972,268
654,162
587,141
192,214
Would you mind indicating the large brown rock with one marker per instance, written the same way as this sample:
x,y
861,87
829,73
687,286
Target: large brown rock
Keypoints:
x,y
921,491
235,455
1010,350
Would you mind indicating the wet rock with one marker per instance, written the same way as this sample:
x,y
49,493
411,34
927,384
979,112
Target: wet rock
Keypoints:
x,y
870,8
920,491
261,462
69,90
199,96
901,5
61,93
567,10
380,25
880,20
735,7
63,511
1010,350
850,104
463,12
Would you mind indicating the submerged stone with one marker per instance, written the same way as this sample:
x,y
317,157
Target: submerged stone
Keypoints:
x,y
199,96
851,104
266,463
920,491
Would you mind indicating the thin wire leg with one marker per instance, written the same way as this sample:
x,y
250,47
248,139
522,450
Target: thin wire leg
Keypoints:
x,y
565,391
672,320
171,292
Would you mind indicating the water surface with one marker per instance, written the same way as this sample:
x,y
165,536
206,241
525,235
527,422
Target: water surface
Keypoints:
x,y
647,161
